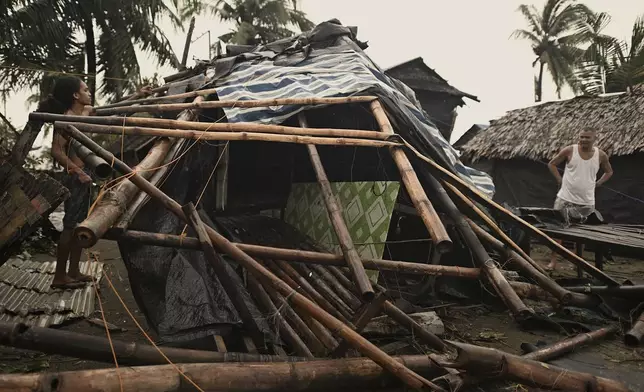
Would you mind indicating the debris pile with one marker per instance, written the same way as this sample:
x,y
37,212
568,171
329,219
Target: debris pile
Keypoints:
x,y
199,212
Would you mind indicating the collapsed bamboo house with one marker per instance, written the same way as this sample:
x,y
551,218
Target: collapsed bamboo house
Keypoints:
x,y
237,236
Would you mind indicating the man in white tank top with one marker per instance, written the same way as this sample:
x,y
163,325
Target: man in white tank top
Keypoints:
x,y
576,196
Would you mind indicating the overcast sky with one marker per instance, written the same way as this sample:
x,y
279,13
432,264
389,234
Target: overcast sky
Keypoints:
x,y
466,41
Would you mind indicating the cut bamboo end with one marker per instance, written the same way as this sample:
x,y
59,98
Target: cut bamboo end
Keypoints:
x,y
85,237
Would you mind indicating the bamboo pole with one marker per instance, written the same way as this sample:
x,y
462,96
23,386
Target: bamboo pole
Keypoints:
x,y
93,348
136,95
295,255
413,186
370,310
367,348
303,330
334,210
635,336
530,291
493,226
190,94
233,291
321,287
488,266
346,296
114,202
486,362
162,123
142,198
483,199
349,374
101,169
173,107
229,136
282,328
545,282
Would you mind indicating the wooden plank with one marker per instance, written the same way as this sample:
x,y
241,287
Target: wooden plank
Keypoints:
x,y
221,345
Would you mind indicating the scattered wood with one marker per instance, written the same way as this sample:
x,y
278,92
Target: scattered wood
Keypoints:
x,y
385,326
635,336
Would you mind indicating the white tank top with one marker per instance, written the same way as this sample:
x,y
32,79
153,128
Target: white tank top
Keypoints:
x,y
580,176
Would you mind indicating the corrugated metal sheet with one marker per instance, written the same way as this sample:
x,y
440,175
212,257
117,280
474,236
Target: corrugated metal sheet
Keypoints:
x,y
26,295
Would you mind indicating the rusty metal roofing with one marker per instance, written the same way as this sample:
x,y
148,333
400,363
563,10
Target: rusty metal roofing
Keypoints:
x,y
26,295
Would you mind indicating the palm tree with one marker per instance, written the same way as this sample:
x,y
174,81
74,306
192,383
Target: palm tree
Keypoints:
x,y
82,37
555,33
625,67
256,21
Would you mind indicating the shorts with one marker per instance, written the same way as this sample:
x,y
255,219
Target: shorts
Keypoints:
x,y
572,211
77,204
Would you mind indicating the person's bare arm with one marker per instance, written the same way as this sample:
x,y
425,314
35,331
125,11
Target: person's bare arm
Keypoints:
x,y
604,163
562,156
60,155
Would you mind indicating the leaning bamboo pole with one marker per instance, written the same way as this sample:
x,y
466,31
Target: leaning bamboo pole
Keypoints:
x,y
295,255
415,190
95,348
305,305
635,336
320,285
485,200
113,203
488,266
370,310
172,107
350,374
190,94
233,291
207,126
493,226
488,362
228,136
337,221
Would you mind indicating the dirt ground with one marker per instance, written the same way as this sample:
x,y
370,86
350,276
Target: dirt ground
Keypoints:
x,y
476,324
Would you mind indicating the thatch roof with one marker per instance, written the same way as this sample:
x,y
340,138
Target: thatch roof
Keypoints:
x,y
539,132
469,135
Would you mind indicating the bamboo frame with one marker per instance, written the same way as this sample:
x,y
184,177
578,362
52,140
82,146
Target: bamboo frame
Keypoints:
x,y
173,107
225,136
302,256
483,199
190,94
321,287
206,126
410,378
346,296
339,226
415,190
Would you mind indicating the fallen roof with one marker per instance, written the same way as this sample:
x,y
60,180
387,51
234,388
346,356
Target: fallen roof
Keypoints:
x,y
426,79
540,131
469,135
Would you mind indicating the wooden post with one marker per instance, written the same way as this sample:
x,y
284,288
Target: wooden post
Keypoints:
x,y
141,124
347,374
282,328
413,186
295,255
370,310
483,199
174,107
233,291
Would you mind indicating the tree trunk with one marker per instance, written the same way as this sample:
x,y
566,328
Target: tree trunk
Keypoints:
x,y
90,53
538,88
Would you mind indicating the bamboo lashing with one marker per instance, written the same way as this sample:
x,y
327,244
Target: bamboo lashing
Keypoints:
x,y
207,126
483,199
337,221
415,190
367,348
225,136
296,255
172,107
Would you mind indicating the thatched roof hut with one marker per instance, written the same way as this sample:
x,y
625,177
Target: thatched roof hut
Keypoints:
x,y
515,150
540,131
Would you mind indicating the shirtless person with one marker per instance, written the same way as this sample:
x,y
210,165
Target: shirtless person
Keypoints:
x,y
576,196
70,96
